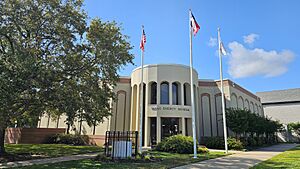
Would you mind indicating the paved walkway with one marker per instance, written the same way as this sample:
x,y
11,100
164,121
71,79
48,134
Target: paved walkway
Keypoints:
x,y
48,160
241,160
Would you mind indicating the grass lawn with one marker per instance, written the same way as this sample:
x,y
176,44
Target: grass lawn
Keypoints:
x,y
168,160
286,160
18,152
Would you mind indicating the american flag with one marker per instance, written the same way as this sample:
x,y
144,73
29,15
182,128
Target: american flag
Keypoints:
x,y
143,40
194,25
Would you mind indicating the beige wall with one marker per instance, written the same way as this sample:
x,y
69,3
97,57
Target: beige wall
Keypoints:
x,y
240,98
285,113
125,110
159,74
210,121
120,119
210,108
85,129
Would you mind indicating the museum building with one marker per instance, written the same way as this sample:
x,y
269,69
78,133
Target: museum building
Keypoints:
x,y
166,105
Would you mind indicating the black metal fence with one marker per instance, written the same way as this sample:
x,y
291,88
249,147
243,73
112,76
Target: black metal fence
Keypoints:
x,y
121,144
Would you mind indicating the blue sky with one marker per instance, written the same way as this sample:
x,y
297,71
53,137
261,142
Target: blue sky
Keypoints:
x,y
261,37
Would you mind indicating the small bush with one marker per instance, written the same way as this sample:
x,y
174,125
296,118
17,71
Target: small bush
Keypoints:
x,y
176,144
69,139
215,142
202,149
234,144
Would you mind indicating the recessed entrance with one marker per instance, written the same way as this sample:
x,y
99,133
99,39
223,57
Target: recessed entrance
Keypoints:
x,y
153,131
169,127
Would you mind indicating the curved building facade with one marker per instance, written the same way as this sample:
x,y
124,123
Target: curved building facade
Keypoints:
x,y
167,104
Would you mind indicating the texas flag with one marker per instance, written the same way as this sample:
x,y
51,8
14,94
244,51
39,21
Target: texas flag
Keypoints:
x,y
194,25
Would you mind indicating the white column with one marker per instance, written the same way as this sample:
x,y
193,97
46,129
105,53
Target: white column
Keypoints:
x,y
146,116
182,93
131,108
158,129
137,108
158,93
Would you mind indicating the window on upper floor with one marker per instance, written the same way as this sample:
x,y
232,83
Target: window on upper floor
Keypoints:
x,y
153,92
187,94
164,93
175,93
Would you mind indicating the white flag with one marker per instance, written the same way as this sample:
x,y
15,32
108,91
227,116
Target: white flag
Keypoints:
x,y
222,49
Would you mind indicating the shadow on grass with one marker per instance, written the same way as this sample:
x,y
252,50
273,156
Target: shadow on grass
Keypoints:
x,y
168,160
21,152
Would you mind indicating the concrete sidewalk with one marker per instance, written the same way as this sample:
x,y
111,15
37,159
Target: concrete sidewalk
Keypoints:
x,y
241,160
48,160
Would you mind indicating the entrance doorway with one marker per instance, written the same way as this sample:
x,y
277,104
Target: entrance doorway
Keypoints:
x,y
169,127
153,130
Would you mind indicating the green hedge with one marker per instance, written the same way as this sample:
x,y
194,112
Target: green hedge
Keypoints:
x,y
218,143
176,144
215,142
234,144
70,139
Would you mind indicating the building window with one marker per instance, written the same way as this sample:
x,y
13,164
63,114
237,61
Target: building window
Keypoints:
x,y
175,94
164,93
187,94
153,93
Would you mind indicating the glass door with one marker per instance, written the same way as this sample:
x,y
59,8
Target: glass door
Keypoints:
x,y
169,127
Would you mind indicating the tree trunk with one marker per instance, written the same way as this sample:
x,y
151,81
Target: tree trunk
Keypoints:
x,y
2,136
80,126
68,128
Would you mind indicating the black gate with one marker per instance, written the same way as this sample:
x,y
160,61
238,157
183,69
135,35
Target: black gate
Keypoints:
x,y
121,144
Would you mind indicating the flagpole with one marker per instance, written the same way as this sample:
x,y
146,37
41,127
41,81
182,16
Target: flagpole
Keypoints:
x,y
192,89
222,92
141,98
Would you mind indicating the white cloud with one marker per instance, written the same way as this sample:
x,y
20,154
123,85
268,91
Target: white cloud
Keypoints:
x,y
212,42
249,39
245,62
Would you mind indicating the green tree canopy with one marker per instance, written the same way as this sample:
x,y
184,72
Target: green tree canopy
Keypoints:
x,y
52,61
243,121
295,127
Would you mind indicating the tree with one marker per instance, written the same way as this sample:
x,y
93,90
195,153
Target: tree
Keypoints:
x,y
294,127
52,62
243,121
237,120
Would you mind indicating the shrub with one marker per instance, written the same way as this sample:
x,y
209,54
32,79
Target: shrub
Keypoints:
x,y
215,142
160,146
176,144
234,144
202,149
69,139
251,141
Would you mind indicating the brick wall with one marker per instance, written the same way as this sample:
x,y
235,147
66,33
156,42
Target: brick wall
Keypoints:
x,y
97,140
30,135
